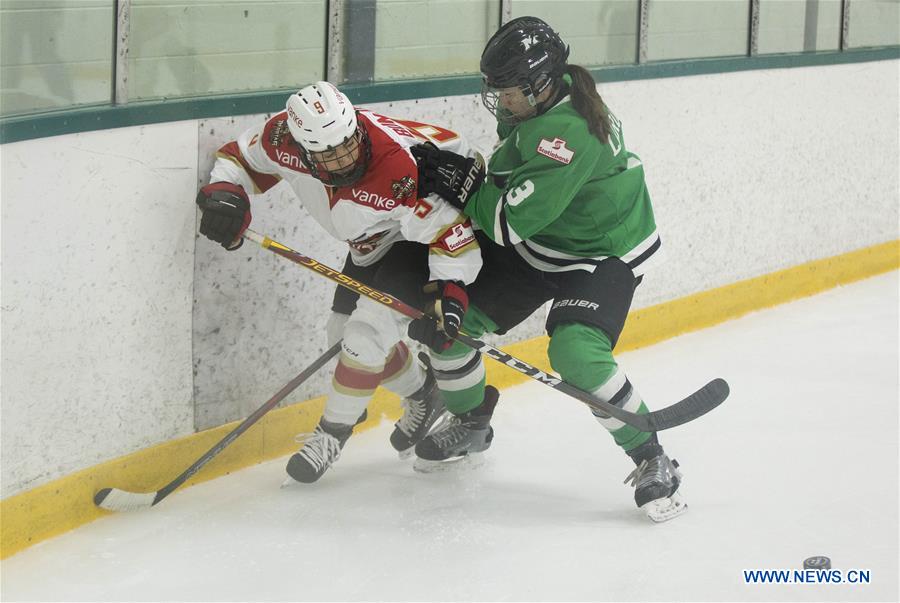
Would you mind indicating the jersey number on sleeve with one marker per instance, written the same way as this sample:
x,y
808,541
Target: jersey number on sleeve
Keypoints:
x,y
423,208
429,132
520,193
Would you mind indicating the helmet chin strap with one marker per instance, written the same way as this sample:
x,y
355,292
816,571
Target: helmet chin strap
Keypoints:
x,y
559,90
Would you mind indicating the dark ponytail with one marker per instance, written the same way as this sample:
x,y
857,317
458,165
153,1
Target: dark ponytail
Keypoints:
x,y
588,103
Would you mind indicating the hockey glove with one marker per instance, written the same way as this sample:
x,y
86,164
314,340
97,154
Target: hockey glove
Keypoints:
x,y
445,313
452,176
226,213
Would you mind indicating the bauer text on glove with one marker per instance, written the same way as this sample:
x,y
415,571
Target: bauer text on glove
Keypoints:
x,y
452,176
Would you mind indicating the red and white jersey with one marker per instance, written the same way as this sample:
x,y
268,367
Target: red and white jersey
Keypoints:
x,y
380,208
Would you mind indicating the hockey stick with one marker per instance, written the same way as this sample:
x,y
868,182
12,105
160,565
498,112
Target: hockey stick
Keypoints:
x,y
699,403
113,499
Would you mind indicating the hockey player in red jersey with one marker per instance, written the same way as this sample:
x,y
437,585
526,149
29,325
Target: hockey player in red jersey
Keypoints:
x,y
354,174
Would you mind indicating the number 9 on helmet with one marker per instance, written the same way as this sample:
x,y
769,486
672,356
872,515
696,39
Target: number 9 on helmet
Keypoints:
x,y
334,145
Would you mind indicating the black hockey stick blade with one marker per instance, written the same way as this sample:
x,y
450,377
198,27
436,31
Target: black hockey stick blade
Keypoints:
x,y
696,405
113,499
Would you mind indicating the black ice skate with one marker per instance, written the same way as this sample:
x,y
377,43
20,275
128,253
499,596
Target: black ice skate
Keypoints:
x,y
462,437
420,412
320,449
656,480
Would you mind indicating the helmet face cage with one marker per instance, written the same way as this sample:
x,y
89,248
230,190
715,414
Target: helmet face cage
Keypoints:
x,y
357,143
490,98
525,53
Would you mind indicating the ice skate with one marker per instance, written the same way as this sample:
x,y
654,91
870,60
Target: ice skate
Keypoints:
x,y
462,438
320,450
421,411
656,484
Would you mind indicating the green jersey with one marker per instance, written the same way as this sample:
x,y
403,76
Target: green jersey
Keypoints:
x,y
564,199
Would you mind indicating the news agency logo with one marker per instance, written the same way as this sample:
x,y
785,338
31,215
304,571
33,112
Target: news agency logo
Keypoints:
x,y
817,562
816,570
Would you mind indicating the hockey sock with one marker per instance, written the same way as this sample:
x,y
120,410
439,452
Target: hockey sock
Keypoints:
x,y
619,391
459,370
582,355
461,379
351,388
402,375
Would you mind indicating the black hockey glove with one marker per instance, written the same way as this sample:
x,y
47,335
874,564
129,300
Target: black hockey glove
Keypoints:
x,y
444,315
452,176
226,213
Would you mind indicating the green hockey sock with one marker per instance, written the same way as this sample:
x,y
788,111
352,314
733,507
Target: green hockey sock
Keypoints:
x,y
582,355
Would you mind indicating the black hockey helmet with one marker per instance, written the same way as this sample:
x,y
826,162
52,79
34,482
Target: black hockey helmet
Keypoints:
x,y
525,53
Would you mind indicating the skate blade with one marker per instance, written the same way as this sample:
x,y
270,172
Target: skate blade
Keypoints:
x,y
472,460
664,509
288,482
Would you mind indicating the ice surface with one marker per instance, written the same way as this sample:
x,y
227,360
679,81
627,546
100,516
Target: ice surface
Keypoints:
x,y
802,460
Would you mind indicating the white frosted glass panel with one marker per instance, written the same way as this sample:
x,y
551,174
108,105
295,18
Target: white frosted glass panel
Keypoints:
x,y
599,32
197,47
874,23
419,38
54,54
684,29
799,25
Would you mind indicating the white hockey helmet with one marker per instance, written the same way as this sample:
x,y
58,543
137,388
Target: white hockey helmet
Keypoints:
x,y
323,122
320,117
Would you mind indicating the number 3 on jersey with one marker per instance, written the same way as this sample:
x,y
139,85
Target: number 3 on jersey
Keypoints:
x,y
520,193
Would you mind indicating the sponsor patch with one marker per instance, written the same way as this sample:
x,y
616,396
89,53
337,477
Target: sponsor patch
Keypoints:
x,y
458,237
556,149
403,188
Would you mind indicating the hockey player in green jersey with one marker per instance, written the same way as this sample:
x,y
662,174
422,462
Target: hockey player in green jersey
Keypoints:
x,y
565,216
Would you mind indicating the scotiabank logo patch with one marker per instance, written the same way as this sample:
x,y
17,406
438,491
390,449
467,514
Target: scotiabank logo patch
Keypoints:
x,y
458,237
556,149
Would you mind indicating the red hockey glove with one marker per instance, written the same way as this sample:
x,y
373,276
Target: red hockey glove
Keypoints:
x,y
445,312
226,213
